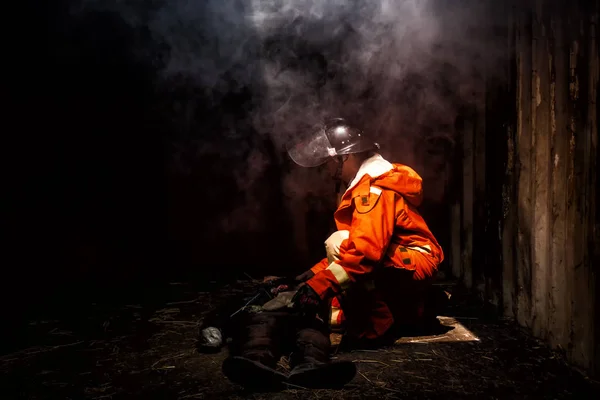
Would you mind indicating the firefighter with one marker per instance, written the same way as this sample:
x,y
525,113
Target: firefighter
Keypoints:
x,y
382,259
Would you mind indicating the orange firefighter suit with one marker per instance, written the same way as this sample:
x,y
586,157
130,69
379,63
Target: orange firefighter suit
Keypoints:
x,y
383,256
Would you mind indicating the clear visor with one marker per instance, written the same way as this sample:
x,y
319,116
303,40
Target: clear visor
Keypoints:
x,y
313,150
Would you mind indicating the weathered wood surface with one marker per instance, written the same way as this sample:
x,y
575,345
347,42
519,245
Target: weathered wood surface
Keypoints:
x,y
549,236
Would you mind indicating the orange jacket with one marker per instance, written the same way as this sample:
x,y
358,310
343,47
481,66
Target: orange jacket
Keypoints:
x,y
379,211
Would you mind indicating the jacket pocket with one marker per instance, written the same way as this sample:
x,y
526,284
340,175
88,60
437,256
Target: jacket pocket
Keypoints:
x,y
400,257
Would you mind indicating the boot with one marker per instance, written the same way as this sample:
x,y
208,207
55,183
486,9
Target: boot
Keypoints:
x,y
254,353
311,365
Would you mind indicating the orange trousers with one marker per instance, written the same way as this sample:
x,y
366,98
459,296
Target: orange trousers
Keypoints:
x,y
393,295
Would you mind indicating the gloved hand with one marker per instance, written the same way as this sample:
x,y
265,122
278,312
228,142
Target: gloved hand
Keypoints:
x,y
305,276
306,300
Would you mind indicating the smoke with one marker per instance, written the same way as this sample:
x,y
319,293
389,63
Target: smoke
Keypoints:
x,y
340,58
309,58
401,68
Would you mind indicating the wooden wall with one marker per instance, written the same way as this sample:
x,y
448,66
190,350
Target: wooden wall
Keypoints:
x,y
528,221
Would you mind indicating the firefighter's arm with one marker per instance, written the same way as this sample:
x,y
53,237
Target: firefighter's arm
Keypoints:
x,y
373,222
320,266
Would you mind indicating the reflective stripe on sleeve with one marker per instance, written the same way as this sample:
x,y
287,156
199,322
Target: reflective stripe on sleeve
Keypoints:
x,y
340,275
423,249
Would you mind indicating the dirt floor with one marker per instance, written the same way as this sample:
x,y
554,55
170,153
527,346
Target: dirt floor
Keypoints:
x,y
148,351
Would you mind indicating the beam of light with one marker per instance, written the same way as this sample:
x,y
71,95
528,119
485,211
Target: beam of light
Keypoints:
x,y
459,333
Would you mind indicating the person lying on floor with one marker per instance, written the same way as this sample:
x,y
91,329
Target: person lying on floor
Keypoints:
x,y
267,327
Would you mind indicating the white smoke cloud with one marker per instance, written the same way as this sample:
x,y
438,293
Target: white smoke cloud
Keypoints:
x,y
403,68
307,58
367,49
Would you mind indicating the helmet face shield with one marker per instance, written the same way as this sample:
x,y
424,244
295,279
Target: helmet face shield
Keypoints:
x,y
313,151
334,138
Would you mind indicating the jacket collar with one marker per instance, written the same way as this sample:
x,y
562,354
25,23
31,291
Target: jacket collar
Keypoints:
x,y
373,166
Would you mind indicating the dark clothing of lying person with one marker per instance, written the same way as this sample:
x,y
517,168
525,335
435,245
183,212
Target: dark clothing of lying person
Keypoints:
x,y
266,327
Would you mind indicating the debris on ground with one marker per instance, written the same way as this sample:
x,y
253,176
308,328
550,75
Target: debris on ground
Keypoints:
x,y
139,352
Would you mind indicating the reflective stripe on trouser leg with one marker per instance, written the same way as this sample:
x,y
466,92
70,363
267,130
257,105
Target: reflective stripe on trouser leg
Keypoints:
x,y
333,243
336,319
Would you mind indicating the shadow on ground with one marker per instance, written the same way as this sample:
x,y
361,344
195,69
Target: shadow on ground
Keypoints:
x,y
148,351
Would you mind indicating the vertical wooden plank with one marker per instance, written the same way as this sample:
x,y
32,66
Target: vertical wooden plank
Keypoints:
x,y
594,182
456,212
509,225
509,202
495,148
584,82
479,210
540,133
575,230
571,128
577,207
524,169
498,114
468,203
559,291
481,246
455,226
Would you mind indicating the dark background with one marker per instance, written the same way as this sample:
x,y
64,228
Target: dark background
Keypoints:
x,y
129,178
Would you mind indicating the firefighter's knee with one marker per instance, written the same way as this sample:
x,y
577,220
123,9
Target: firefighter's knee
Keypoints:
x,y
333,243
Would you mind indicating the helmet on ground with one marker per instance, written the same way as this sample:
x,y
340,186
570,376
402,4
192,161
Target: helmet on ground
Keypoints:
x,y
335,137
